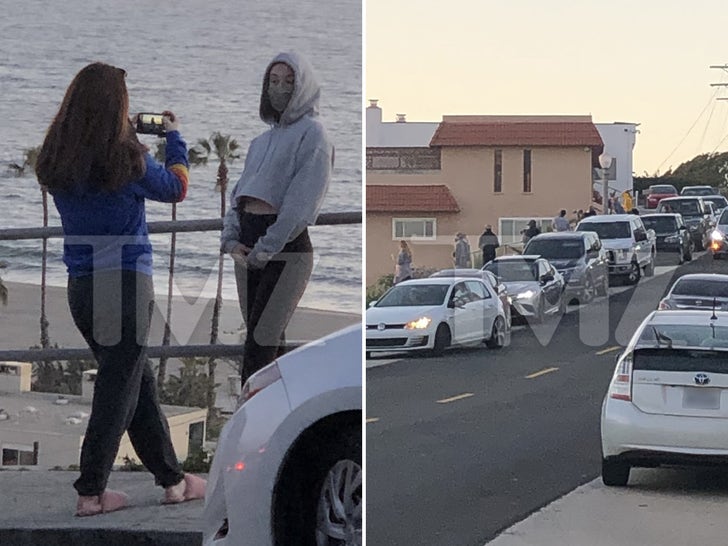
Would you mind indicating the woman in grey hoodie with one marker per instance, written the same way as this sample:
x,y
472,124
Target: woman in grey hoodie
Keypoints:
x,y
285,179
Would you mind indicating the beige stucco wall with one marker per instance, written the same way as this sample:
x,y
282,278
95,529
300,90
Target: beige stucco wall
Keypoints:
x,y
561,178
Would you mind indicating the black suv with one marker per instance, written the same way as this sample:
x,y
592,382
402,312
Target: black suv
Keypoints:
x,y
672,234
695,214
580,259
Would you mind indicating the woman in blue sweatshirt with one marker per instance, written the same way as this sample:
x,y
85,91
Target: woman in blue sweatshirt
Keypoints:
x,y
286,175
100,175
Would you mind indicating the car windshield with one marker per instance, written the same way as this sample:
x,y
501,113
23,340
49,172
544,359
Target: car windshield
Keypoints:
x,y
718,201
685,335
556,248
724,217
611,230
661,224
663,189
513,270
698,191
413,295
701,287
686,208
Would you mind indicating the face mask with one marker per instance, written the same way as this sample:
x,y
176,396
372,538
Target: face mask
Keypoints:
x,y
280,95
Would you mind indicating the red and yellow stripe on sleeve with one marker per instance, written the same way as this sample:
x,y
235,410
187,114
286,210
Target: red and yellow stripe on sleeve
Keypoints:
x,y
184,176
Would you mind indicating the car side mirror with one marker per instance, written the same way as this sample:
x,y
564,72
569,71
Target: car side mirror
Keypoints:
x,y
547,278
372,303
683,228
451,304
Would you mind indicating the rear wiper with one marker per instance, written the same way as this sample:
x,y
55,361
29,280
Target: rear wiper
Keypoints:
x,y
662,338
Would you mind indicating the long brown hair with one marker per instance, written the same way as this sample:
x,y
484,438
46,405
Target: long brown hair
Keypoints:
x,y
91,143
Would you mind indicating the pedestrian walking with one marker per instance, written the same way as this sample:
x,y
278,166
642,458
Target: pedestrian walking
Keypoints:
x,y
99,176
488,243
461,255
279,194
403,267
560,222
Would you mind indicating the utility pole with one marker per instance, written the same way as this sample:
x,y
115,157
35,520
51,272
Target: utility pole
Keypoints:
x,y
724,68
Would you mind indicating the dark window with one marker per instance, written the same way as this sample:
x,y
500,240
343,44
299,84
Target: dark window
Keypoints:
x,y
498,172
526,171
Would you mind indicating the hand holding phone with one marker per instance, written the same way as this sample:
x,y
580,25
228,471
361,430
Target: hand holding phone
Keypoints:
x,y
150,124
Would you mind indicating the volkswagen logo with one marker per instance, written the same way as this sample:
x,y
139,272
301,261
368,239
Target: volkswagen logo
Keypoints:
x,y
702,379
381,326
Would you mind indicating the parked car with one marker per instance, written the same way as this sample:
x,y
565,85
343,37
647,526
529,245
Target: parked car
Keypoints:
x,y
580,259
719,236
699,190
695,214
288,464
671,233
663,405
490,279
658,192
631,248
535,286
698,291
433,314
719,202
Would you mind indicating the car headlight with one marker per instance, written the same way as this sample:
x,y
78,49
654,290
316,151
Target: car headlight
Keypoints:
x,y
259,381
419,324
526,295
672,239
717,236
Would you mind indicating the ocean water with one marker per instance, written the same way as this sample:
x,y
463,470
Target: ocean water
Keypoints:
x,y
204,60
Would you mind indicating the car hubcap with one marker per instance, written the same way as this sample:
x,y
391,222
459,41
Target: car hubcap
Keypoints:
x,y
500,332
339,508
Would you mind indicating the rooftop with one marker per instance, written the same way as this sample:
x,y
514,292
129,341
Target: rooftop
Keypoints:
x,y
410,198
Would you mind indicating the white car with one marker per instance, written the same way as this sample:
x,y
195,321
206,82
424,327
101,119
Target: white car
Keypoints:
x,y
667,402
435,313
288,466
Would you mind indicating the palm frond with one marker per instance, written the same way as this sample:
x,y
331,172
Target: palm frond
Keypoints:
x,y
3,293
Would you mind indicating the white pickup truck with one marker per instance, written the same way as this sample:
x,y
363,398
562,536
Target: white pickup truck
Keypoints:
x,y
631,248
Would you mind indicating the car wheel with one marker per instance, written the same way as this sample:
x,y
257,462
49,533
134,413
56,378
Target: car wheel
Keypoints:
x,y
540,311
615,473
680,257
633,277
339,513
562,305
691,249
442,340
498,335
603,289
650,267
587,294
699,245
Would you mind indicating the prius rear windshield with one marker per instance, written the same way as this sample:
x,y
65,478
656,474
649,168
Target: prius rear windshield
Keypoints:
x,y
681,360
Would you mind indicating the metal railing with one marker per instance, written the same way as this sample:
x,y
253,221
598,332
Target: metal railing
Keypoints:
x,y
177,351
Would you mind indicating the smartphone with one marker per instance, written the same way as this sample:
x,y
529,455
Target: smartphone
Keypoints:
x,y
150,124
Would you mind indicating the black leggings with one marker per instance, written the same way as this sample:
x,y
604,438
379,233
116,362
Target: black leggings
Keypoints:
x,y
269,296
112,310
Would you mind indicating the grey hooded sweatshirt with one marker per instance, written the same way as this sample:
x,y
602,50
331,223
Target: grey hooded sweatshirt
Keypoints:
x,y
289,166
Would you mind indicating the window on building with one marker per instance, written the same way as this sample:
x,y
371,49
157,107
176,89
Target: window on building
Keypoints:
x,y
498,171
526,171
509,229
19,455
413,228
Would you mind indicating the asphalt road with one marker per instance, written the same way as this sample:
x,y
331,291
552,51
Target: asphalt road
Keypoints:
x,y
463,446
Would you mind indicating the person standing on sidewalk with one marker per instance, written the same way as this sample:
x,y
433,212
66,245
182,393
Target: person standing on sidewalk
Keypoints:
x,y
530,232
488,243
627,201
99,176
461,255
560,223
403,267
285,179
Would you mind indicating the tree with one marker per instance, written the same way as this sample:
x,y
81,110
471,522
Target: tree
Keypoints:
x,y
3,288
224,149
30,158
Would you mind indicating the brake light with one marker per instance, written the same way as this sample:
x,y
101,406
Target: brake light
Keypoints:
x,y
621,386
259,381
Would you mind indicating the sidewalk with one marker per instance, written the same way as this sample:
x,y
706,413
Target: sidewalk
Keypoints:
x,y
660,507
37,507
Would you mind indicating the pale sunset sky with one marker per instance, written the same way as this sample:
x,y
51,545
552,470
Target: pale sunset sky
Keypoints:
x,y
644,62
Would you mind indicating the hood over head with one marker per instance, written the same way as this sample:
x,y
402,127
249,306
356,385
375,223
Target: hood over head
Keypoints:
x,y
306,91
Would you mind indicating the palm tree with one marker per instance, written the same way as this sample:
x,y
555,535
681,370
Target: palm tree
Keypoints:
x,y
3,288
30,157
224,149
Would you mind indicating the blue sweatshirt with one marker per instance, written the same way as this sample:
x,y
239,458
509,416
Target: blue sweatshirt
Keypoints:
x,y
108,230
289,166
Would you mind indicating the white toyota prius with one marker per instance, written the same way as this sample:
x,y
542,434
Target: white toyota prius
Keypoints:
x,y
668,399
288,466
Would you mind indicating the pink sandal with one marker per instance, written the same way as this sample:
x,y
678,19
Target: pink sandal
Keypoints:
x,y
190,488
108,501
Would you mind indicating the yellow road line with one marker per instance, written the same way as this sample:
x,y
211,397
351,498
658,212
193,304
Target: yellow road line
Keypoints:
x,y
608,350
542,372
455,398
372,419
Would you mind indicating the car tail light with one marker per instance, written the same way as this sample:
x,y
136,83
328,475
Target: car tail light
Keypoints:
x,y
621,386
259,381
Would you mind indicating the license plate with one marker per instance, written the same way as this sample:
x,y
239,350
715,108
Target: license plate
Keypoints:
x,y
695,398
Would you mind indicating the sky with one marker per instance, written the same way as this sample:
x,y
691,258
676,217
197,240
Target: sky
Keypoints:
x,y
643,62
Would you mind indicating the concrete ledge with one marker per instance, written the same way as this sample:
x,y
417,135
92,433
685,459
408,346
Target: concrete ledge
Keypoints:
x,y
94,537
